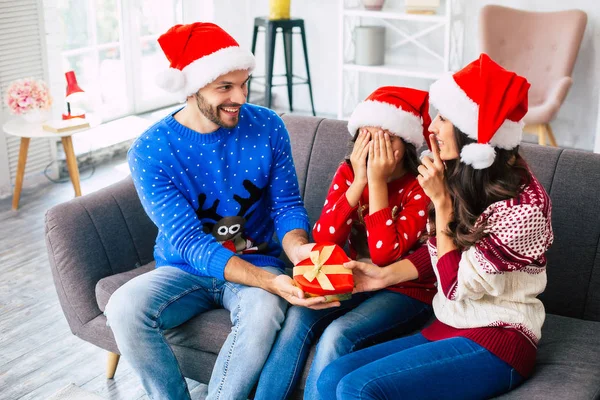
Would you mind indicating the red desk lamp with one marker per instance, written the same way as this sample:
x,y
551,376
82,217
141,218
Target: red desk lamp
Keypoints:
x,y
74,94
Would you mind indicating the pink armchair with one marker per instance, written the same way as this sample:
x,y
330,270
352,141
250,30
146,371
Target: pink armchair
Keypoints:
x,y
542,46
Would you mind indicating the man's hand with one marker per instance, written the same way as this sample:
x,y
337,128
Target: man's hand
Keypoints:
x,y
301,252
284,286
368,277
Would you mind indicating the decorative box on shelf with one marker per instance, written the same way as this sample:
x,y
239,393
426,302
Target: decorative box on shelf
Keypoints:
x,y
421,6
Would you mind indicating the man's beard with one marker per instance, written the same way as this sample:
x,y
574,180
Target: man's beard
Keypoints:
x,y
212,113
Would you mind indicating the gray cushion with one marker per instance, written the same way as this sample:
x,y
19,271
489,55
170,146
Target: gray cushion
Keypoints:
x,y
302,133
205,332
575,193
107,286
568,362
542,161
329,149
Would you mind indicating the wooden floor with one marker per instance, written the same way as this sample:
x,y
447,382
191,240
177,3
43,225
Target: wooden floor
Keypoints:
x,y
38,353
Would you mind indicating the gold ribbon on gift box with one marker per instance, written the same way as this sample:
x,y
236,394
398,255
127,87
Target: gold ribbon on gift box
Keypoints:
x,y
318,270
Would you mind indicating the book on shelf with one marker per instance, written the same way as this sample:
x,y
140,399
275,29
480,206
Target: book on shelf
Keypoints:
x,y
422,6
59,125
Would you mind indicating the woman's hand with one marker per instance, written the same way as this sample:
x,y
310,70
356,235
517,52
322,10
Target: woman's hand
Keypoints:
x,y
431,175
358,158
382,158
368,277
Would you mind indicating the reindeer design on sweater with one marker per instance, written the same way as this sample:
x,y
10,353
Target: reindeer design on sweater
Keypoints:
x,y
229,230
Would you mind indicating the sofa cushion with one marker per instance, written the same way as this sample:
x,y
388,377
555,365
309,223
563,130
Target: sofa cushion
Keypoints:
x,y
329,148
205,332
302,134
568,362
107,286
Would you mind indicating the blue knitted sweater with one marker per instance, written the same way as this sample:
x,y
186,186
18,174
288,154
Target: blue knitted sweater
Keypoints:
x,y
216,195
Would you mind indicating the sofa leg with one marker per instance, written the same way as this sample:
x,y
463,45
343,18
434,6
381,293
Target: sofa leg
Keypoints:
x,y
111,366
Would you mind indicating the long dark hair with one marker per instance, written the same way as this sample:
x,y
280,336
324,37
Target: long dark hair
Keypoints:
x,y
411,159
473,190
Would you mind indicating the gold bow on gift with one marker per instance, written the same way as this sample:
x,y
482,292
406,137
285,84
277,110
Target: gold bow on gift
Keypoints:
x,y
319,270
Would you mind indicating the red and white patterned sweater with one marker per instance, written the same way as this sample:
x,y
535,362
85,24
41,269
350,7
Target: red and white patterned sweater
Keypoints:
x,y
488,293
389,237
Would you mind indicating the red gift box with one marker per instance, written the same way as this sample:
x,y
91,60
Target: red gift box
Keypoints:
x,y
323,273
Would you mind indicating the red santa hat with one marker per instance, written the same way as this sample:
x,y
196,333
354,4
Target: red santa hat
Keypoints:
x,y
198,54
402,111
487,103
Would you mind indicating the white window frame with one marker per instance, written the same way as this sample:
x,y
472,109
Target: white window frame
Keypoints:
x,y
130,50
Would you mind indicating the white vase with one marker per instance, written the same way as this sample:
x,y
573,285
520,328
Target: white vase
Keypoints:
x,y
36,116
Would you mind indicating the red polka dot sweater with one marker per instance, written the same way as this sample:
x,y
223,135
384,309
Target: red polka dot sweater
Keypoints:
x,y
385,236
488,293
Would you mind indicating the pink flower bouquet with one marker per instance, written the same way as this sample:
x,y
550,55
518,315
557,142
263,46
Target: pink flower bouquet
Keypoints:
x,y
25,95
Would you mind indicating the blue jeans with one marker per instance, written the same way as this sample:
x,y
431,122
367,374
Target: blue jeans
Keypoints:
x,y
415,368
142,309
365,319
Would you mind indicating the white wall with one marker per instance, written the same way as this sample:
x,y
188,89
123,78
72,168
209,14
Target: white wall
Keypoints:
x,y
575,125
321,25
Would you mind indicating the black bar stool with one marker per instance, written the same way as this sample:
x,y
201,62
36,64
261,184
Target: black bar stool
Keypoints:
x,y
271,27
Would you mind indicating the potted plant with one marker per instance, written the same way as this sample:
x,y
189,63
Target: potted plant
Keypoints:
x,y
29,98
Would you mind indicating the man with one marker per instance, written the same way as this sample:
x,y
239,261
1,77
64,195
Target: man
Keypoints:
x,y
218,179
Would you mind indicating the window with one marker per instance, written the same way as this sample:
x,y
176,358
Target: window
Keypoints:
x,y
111,45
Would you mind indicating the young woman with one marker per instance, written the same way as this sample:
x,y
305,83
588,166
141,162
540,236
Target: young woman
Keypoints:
x,y
489,230
376,206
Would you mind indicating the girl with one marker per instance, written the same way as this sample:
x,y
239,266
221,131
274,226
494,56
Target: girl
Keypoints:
x,y
490,228
376,206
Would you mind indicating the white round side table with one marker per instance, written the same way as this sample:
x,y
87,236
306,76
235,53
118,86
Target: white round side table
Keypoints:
x,y
26,131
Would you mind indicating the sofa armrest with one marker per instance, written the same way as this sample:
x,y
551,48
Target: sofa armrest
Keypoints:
x,y
92,237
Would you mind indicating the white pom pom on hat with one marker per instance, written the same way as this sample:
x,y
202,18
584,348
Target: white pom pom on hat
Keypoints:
x,y
478,155
171,79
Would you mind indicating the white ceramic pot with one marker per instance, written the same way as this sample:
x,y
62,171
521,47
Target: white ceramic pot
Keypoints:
x,y
36,116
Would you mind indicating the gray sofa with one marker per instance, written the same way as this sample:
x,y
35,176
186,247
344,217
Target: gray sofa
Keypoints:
x,y
99,241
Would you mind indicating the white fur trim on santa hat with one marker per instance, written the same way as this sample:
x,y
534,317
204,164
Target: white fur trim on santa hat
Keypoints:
x,y
453,103
205,70
478,155
388,117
